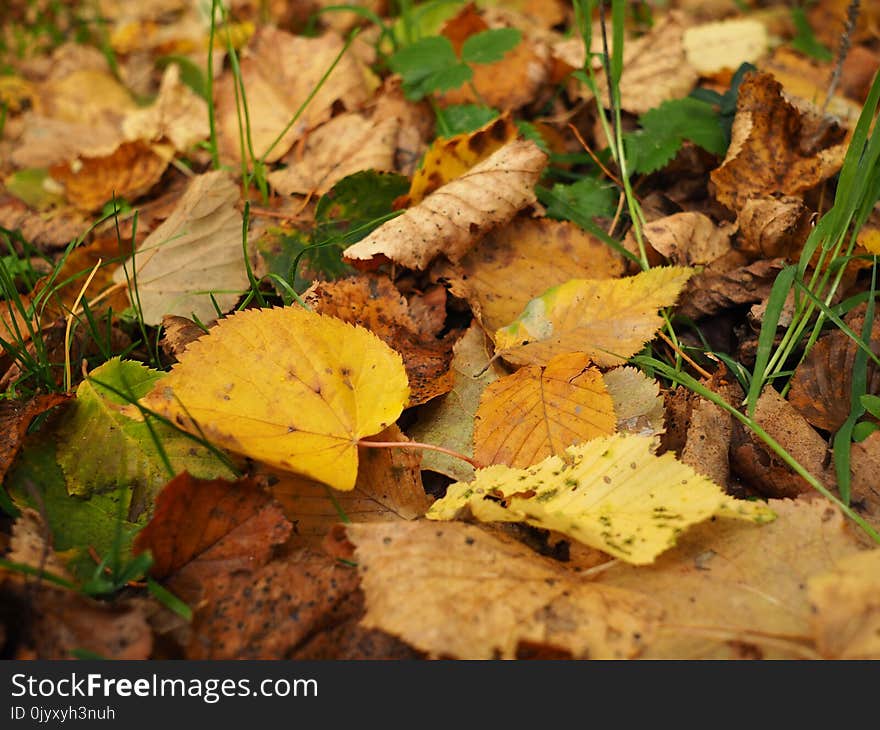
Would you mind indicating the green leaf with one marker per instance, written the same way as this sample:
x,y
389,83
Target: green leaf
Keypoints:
x,y
863,429
805,40
101,446
190,73
28,186
463,118
428,65
587,198
490,45
666,127
871,403
530,131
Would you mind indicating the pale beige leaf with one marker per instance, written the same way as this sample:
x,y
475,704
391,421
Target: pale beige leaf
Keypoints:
x,y
451,219
346,144
687,239
637,401
714,47
846,607
731,591
196,252
537,412
456,590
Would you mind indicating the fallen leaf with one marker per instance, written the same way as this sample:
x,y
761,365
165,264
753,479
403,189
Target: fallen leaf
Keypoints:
x,y
48,229
15,419
637,401
450,220
279,72
31,544
122,450
459,591
289,387
203,532
448,159
731,592
129,172
177,334
846,609
821,387
373,302
655,68
763,469
517,262
687,239
448,421
714,47
415,125
771,227
539,411
728,282
609,320
770,151
865,465
610,493
388,487
193,262
343,146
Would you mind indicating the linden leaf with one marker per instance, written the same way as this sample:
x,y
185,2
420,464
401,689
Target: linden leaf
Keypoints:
x,y
611,493
608,319
714,47
289,387
193,262
120,450
451,219
538,412
638,404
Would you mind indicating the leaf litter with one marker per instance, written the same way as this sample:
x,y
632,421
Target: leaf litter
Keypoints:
x,y
323,337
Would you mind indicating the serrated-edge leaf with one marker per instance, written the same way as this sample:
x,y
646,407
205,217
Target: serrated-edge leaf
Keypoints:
x,y
490,45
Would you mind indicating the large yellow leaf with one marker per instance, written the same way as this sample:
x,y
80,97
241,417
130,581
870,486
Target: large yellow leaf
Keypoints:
x,y
611,493
289,387
451,220
608,319
537,412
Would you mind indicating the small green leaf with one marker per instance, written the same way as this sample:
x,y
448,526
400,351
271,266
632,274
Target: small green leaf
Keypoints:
x,y
427,65
805,40
863,429
463,118
647,153
530,131
871,403
190,73
490,45
588,198
29,187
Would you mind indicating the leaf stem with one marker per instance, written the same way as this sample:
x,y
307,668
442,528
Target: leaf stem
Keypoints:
x,y
419,445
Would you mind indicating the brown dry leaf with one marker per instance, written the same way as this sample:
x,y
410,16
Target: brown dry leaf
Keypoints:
x,y
507,84
688,239
821,387
15,417
458,591
771,152
193,262
846,607
865,465
279,72
450,220
728,282
129,172
388,487
177,334
540,411
449,420
714,47
655,68
517,262
204,531
47,229
269,614
637,401
732,592
55,622
708,441
415,128
372,301
178,115
774,227
346,144
761,468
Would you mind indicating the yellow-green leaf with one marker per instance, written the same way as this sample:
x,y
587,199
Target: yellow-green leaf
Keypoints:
x,y
611,493
608,319
288,387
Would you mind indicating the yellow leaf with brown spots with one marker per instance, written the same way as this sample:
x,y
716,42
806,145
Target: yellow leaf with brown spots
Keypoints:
x,y
294,389
539,411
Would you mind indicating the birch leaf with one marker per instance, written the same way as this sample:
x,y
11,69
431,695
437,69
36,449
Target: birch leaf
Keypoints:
x,y
609,320
450,220
612,493
288,387
193,257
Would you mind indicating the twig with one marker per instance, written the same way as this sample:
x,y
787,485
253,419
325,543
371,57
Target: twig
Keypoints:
x,y
852,15
684,356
